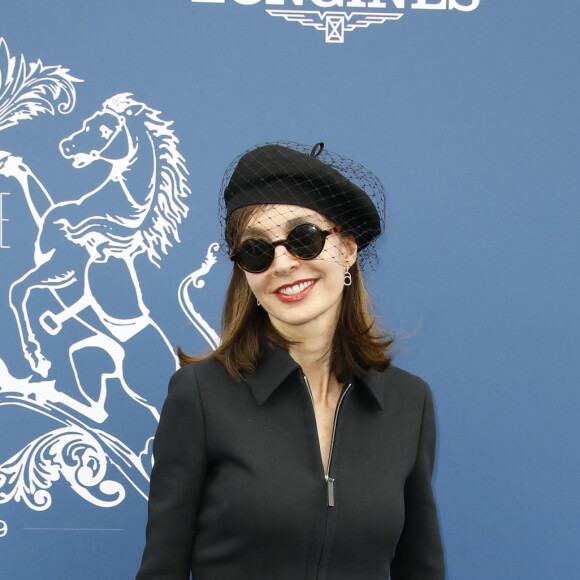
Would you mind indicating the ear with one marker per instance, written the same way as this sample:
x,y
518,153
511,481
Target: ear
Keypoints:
x,y
350,250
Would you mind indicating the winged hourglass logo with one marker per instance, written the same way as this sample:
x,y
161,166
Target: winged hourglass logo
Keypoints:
x,y
335,24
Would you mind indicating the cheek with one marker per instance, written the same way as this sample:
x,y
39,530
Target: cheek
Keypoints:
x,y
334,275
255,281
338,280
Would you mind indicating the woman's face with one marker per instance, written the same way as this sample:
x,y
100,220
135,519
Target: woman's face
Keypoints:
x,y
295,292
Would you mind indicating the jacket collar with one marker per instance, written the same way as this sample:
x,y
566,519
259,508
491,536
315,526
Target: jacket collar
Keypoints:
x,y
276,365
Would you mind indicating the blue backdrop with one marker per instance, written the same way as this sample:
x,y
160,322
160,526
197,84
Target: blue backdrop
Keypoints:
x,y
468,112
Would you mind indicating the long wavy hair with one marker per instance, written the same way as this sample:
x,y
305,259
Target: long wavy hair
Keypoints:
x,y
359,344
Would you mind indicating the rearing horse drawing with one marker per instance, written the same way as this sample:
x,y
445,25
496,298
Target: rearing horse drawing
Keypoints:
x,y
137,209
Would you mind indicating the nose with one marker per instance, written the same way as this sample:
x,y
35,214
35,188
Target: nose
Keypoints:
x,y
284,261
67,147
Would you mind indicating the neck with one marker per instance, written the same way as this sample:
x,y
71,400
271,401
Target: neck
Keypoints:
x,y
312,352
137,168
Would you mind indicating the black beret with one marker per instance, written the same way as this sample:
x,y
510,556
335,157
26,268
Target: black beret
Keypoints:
x,y
273,173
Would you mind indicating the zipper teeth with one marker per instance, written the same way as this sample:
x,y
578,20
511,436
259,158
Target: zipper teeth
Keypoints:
x,y
326,476
340,400
309,389
338,405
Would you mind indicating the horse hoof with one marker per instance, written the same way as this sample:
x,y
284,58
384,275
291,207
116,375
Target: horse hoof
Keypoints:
x,y
10,165
38,364
43,367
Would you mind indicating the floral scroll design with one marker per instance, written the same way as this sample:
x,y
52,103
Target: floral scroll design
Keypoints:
x,y
195,280
26,91
68,452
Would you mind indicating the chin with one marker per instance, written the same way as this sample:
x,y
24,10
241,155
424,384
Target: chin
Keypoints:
x,y
301,315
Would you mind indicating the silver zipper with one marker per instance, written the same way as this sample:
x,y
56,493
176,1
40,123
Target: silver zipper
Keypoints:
x,y
330,480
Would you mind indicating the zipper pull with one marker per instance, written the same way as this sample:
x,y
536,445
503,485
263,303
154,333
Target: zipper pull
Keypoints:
x,y
330,489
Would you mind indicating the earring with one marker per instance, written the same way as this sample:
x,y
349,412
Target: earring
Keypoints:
x,y
347,278
258,303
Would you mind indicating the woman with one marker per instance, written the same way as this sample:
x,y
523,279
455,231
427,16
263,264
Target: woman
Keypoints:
x,y
295,450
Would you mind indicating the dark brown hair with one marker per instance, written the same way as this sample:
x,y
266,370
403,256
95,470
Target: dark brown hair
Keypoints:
x,y
358,345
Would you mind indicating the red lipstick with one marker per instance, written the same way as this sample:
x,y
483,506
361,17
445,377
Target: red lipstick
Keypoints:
x,y
299,294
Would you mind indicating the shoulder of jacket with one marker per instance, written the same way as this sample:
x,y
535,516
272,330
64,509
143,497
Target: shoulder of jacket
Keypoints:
x,y
208,371
401,380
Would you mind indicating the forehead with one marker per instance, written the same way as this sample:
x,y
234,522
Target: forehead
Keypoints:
x,y
282,216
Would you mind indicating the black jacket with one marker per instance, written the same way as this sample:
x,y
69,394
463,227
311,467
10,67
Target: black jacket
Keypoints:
x,y
238,490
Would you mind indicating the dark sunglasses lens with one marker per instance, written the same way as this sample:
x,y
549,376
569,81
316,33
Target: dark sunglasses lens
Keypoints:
x,y
306,241
255,255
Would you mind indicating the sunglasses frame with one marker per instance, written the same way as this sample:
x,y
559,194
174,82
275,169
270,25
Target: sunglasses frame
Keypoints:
x,y
235,256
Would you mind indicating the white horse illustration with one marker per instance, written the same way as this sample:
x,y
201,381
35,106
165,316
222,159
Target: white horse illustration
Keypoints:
x,y
83,242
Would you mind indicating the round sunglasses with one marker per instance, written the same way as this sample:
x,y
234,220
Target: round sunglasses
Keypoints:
x,y
305,241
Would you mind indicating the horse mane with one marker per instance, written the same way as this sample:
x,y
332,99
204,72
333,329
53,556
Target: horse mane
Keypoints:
x,y
159,228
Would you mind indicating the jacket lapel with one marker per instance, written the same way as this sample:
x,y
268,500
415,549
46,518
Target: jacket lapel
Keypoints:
x,y
272,370
276,365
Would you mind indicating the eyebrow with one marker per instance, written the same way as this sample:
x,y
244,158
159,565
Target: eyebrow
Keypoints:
x,y
289,225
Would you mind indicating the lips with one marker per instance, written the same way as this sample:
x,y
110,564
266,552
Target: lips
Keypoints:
x,y
296,291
